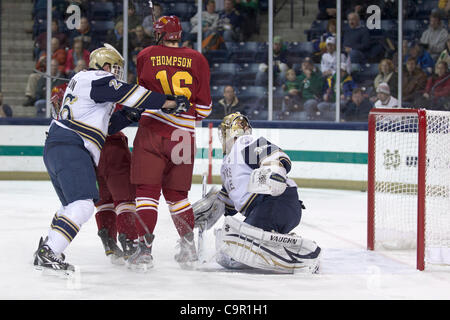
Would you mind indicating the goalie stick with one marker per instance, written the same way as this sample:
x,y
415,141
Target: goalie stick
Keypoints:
x,y
202,227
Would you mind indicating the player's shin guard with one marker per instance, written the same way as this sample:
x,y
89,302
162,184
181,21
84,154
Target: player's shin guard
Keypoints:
x,y
126,223
180,210
68,224
147,201
106,218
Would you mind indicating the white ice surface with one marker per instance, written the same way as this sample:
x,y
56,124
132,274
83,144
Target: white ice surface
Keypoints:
x,y
335,219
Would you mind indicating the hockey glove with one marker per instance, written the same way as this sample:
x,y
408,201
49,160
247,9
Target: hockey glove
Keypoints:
x,y
182,104
133,114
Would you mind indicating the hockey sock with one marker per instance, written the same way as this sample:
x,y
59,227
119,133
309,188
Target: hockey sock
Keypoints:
x,y
147,201
68,224
180,210
106,218
126,219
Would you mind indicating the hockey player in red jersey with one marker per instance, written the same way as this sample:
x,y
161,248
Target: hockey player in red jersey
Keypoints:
x,y
164,147
116,208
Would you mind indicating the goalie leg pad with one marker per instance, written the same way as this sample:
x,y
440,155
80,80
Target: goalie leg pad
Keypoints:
x,y
272,251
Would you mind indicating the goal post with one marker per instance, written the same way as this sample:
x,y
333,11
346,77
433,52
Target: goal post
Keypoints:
x,y
408,191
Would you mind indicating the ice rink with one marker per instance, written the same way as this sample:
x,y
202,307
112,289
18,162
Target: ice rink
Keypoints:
x,y
335,219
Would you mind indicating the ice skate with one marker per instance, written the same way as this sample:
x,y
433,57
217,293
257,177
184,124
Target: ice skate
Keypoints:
x,y
128,246
49,262
142,260
111,249
187,256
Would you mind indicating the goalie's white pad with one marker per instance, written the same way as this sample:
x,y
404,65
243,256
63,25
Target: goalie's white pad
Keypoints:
x,y
209,209
268,180
272,251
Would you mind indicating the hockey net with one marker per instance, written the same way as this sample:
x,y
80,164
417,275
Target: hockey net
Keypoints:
x,y
409,183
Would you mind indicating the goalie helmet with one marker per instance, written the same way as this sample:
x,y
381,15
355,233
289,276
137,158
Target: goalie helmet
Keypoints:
x,y
168,28
107,55
233,126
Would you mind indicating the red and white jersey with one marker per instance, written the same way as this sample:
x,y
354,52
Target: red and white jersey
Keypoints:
x,y
179,71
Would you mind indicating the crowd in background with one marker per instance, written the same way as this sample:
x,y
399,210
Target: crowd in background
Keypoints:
x,y
304,73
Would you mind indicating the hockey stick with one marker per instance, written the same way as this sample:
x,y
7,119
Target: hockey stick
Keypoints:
x,y
202,227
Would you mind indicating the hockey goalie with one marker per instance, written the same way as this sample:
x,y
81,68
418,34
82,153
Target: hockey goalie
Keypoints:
x,y
255,183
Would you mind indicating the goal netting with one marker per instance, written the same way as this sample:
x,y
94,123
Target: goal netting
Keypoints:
x,y
409,183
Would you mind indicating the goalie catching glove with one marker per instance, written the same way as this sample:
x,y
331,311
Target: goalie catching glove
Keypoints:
x,y
182,104
268,180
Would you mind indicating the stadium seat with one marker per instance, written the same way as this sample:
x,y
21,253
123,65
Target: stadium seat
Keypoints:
x,y
247,74
366,74
424,8
242,52
301,49
216,56
253,97
223,73
216,93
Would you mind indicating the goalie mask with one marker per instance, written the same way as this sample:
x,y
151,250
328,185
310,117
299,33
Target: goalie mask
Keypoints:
x,y
233,126
107,55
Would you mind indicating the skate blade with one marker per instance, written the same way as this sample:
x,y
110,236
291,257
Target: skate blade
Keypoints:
x,y
118,261
140,268
189,265
64,274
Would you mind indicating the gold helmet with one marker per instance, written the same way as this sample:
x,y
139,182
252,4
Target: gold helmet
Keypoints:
x,y
233,126
107,55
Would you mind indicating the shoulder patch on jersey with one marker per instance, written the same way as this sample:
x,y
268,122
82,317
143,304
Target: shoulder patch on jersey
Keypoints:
x,y
101,73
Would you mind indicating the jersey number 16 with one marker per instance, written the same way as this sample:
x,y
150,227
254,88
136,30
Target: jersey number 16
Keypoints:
x,y
176,82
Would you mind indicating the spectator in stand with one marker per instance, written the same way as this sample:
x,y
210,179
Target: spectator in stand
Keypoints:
x,y
320,45
210,20
147,23
249,11
280,64
385,100
115,36
292,88
139,39
422,57
81,65
386,74
5,109
328,62
329,98
358,108
228,104
414,81
437,91
435,36
40,44
230,22
85,33
134,19
445,54
59,55
311,88
356,40
327,9
41,93
33,78
74,55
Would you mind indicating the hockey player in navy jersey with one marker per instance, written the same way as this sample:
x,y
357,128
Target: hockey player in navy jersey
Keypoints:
x,y
75,139
255,183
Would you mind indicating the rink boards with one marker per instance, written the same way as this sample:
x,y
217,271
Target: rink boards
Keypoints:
x,y
324,156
